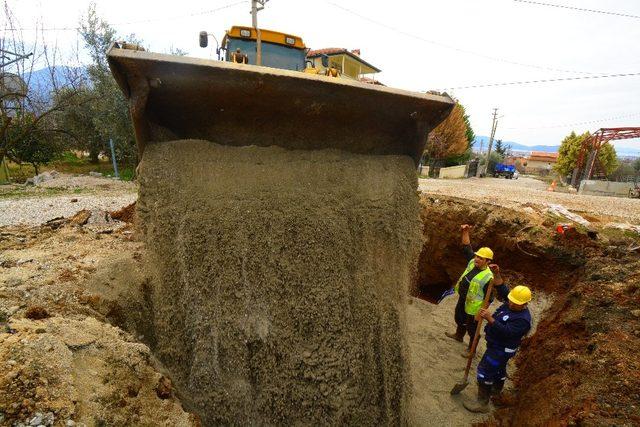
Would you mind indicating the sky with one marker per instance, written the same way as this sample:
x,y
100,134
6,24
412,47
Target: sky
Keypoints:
x,y
424,45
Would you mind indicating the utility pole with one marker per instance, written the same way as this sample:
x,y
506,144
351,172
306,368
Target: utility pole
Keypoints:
x,y
254,23
493,134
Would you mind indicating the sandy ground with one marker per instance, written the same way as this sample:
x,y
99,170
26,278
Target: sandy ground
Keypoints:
x,y
437,364
524,191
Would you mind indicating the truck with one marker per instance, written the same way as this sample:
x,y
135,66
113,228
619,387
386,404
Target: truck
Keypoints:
x,y
508,171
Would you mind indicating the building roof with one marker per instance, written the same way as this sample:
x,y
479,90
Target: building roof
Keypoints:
x,y
333,51
542,156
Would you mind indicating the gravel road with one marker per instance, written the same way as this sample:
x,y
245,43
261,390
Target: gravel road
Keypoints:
x,y
35,211
522,192
35,205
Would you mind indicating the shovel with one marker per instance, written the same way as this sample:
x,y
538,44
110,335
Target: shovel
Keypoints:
x,y
465,381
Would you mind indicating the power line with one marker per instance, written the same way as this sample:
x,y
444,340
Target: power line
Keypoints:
x,y
457,49
588,122
562,6
145,21
529,82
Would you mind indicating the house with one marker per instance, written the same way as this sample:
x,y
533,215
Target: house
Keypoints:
x,y
541,162
348,62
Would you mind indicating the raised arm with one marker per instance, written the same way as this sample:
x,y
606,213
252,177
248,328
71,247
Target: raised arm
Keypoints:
x,y
466,238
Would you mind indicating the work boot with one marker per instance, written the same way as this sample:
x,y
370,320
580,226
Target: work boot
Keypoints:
x,y
497,397
496,388
481,404
458,335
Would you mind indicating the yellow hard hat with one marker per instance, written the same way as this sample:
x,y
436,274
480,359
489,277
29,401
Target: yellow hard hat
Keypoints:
x,y
485,253
520,295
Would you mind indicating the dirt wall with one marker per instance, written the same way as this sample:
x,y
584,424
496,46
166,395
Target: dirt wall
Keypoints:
x,y
281,280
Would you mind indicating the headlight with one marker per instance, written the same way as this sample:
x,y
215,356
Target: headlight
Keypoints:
x,y
289,40
245,33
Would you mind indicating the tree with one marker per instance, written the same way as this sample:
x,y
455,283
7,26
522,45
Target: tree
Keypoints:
x,y
450,138
109,107
570,150
26,116
36,147
502,149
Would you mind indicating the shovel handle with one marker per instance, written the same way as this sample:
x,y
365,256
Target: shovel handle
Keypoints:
x,y
476,337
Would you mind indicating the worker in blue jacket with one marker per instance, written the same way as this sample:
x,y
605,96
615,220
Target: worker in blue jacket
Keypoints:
x,y
504,331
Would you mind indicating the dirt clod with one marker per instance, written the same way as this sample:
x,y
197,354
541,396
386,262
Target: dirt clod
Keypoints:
x,y
164,388
126,214
36,312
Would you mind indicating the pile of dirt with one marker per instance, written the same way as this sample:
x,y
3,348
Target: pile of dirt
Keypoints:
x,y
61,371
281,280
126,214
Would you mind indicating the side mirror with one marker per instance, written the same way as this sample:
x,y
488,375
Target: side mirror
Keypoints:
x,y
325,60
204,39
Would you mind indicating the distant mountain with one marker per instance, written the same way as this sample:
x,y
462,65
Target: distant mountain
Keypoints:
x,y
514,145
42,81
621,151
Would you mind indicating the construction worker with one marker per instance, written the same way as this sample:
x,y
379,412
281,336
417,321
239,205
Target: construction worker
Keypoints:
x,y
472,286
504,332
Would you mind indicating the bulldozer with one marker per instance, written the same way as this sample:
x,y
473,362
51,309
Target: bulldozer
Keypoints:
x,y
279,210
263,91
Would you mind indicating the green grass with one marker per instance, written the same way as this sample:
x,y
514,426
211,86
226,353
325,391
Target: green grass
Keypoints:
x,y
69,163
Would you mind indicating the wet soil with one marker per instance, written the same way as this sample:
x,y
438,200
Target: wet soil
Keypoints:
x,y
281,280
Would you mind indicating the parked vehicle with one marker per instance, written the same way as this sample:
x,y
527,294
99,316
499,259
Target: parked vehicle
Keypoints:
x,y
507,171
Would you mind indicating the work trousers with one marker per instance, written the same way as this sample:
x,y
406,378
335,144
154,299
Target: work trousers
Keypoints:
x,y
465,320
492,369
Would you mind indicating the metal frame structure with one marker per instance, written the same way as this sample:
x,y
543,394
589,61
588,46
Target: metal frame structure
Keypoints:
x,y
588,161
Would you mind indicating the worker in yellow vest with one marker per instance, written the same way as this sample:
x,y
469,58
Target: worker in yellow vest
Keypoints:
x,y
472,286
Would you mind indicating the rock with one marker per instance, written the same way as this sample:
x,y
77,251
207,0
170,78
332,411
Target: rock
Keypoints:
x,y
36,420
81,217
24,261
74,200
99,217
70,423
636,313
44,177
48,419
95,174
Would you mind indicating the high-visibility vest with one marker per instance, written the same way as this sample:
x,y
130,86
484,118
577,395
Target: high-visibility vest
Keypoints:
x,y
475,295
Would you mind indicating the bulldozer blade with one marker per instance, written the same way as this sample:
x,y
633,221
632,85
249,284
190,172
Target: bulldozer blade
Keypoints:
x,y
175,97
459,387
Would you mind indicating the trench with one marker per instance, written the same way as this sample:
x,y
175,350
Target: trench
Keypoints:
x,y
434,361
525,257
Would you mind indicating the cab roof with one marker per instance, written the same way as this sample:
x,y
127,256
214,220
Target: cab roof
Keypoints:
x,y
269,36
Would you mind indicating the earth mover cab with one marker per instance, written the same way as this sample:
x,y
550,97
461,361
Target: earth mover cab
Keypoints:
x,y
247,45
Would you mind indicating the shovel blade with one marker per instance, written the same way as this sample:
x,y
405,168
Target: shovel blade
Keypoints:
x,y
459,387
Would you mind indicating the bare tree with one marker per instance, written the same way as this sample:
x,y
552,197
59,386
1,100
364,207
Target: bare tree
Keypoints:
x,y
28,107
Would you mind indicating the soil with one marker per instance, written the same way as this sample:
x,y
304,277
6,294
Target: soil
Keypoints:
x,y
579,368
281,280
59,353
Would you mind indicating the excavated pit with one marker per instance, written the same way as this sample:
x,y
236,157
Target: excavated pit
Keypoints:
x,y
585,291
281,280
